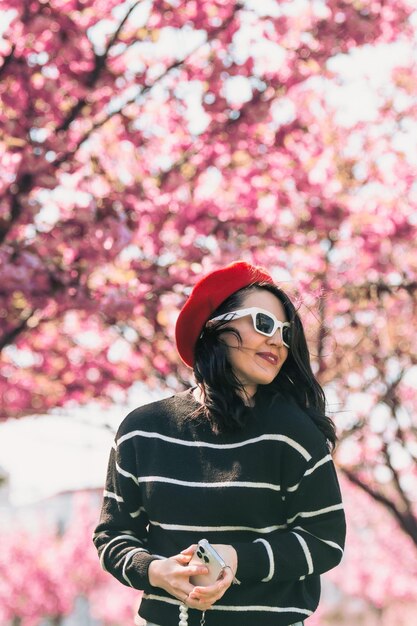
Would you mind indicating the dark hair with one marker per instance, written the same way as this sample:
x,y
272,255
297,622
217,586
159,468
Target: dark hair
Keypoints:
x,y
222,392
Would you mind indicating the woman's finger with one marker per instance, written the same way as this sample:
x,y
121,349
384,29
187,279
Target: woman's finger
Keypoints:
x,y
201,605
213,592
195,570
182,559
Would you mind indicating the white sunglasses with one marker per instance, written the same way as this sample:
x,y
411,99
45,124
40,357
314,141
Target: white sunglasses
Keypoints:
x,y
263,321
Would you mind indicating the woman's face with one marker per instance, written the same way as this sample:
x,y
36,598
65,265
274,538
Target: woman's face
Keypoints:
x,y
258,359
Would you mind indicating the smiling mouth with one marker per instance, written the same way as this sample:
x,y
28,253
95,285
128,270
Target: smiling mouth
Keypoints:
x,y
267,356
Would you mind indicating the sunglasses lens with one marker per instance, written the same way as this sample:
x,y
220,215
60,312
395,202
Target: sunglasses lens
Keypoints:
x,y
264,323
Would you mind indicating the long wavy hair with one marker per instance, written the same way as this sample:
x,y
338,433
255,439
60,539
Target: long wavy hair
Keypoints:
x,y
223,405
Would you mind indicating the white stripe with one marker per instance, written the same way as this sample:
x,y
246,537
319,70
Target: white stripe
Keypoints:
x,y
218,607
327,509
294,487
223,483
109,494
126,562
271,559
267,529
109,544
138,512
257,607
332,544
307,553
219,446
325,459
153,596
126,474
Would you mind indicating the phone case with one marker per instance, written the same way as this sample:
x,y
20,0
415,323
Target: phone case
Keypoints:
x,y
206,555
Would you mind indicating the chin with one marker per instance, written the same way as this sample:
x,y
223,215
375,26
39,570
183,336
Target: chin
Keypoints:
x,y
269,379
266,380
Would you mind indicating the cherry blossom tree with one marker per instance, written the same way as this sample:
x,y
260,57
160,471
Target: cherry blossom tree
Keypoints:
x,y
43,572
32,584
375,550
109,601
145,143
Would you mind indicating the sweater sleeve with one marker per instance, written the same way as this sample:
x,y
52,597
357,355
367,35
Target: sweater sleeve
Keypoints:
x,y
120,537
313,540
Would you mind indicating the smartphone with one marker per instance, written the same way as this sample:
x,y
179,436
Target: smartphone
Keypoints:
x,y
206,555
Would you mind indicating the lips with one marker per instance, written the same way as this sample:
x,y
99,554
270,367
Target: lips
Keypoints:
x,y
269,357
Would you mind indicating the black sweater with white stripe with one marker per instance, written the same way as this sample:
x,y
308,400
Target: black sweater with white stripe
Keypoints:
x,y
270,490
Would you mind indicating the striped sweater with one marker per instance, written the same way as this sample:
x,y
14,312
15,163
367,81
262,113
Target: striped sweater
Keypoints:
x,y
269,490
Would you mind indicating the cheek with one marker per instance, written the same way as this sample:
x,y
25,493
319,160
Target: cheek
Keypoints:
x,y
249,337
239,352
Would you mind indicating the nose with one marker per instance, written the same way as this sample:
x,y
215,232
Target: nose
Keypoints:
x,y
275,339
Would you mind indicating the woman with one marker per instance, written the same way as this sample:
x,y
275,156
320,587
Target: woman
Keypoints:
x,y
242,460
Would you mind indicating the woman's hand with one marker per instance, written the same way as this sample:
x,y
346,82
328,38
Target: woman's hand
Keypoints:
x,y
173,575
204,597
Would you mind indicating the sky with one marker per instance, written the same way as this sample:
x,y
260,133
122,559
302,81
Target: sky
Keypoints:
x,y
62,451
49,454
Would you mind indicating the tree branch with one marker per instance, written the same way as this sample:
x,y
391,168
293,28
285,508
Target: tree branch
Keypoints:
x,y
9,337
396,479
8,59
100,63
407,521
101,122
117,32
23,184
373,291
26,181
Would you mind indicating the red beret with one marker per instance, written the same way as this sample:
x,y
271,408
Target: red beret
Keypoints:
x,y
207,294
